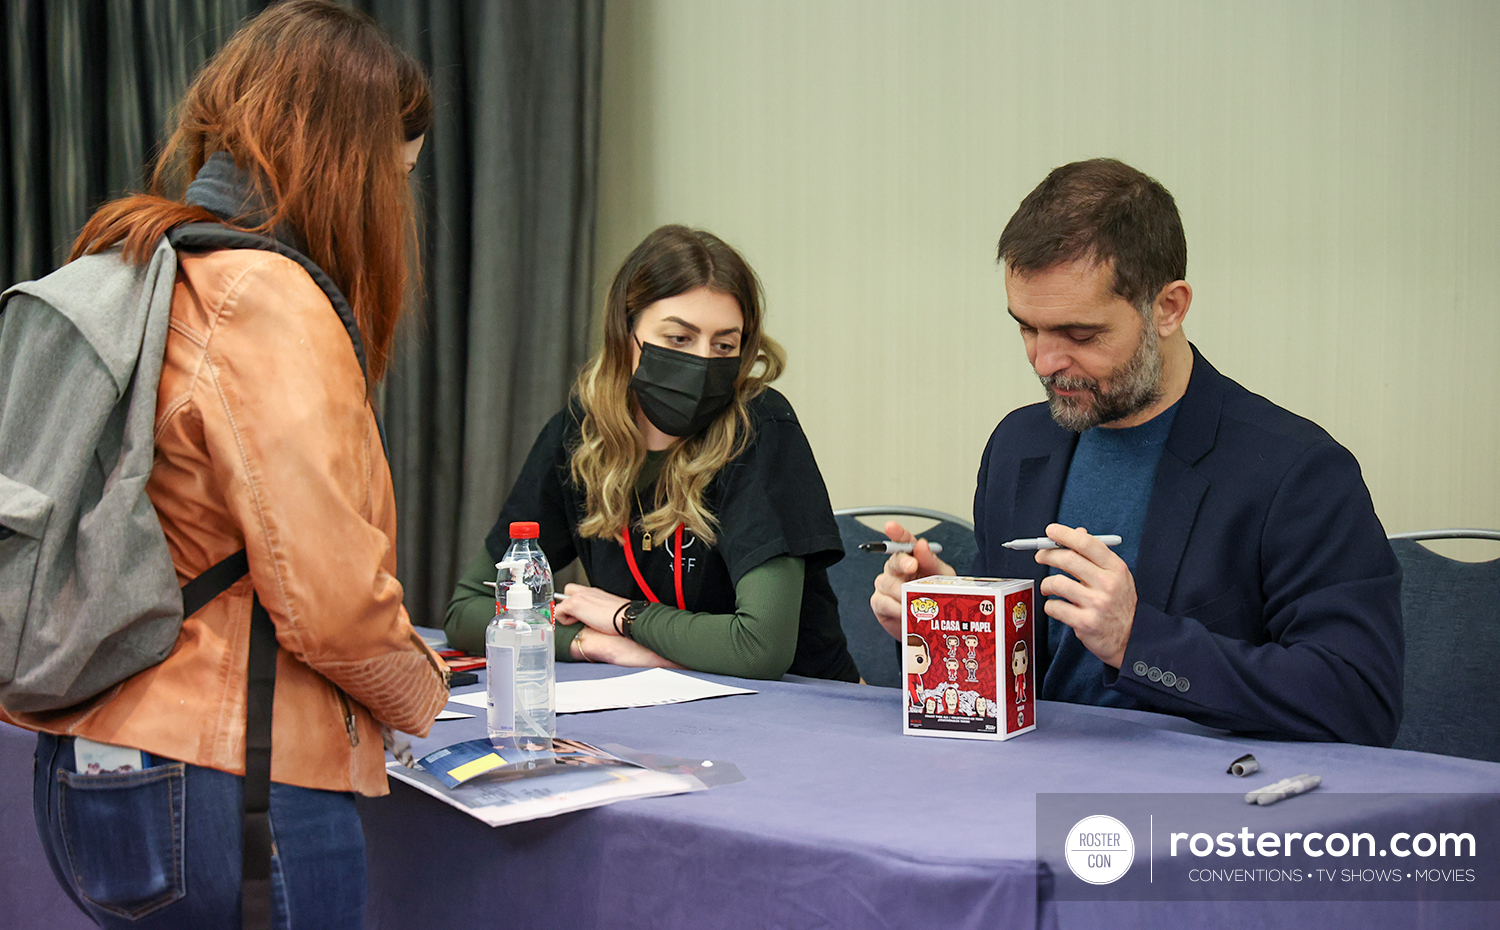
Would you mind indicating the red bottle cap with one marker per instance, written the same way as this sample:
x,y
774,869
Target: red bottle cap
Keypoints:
x,y
525,530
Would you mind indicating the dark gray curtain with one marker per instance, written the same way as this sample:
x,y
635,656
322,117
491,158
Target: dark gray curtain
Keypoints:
x,y
89,86
508,180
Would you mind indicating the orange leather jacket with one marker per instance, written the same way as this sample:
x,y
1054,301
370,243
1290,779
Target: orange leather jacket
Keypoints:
x,y
265,440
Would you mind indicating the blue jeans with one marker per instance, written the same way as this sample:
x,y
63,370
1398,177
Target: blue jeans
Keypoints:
x,y
160,848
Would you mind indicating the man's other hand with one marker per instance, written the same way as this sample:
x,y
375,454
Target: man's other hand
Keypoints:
x,y
1098,600
900,568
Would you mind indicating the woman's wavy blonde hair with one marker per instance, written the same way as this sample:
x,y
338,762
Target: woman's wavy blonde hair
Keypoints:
x,y
610,451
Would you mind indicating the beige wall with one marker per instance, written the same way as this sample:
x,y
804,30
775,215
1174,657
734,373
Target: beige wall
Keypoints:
x,y
1335,163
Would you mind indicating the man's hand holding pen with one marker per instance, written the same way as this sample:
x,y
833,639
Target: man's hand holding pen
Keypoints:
x,y
900,568
1096,596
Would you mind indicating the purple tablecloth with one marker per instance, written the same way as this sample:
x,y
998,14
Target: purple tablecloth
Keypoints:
x,y
841,822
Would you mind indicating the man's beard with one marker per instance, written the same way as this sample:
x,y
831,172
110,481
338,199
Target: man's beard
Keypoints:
x,y
1134,386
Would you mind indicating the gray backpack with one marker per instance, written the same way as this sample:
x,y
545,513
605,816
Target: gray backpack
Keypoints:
x,y
88,593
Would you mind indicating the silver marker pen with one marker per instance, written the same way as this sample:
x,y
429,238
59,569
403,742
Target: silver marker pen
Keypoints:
x,y
1042,542
1286,788
558,596
886,546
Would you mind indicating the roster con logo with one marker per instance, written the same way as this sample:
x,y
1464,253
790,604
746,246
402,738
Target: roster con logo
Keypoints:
x,y
1099,849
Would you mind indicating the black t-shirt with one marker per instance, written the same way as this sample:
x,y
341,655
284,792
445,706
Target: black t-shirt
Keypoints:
x,y
770,501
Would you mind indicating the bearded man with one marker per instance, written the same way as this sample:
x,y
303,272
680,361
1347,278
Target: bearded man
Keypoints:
x,y
1253,589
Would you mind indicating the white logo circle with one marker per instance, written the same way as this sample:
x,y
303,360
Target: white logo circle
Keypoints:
x,y
1099,849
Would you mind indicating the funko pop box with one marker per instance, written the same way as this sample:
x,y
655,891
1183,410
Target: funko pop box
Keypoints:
x,y
967,649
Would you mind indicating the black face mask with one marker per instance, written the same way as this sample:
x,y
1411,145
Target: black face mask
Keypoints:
x,y
681,393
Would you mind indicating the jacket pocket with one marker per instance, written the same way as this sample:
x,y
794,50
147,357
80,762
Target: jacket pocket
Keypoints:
x,y
23,518
351,725
123,835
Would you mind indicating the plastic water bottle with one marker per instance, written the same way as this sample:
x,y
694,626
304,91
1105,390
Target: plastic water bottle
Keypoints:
x,y
536,573
520,676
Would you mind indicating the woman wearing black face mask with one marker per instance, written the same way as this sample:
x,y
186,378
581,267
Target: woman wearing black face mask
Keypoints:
x,y
682,483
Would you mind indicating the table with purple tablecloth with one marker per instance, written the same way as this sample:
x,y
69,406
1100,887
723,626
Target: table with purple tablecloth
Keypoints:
x,y
841,822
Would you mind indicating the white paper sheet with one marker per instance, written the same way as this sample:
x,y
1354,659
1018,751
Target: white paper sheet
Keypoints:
x,y
639,689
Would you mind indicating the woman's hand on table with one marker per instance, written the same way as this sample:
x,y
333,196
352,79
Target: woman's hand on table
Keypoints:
x,y
594,608
590,645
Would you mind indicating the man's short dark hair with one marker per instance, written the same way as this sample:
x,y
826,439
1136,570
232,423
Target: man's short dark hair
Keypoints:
x,y
1100,210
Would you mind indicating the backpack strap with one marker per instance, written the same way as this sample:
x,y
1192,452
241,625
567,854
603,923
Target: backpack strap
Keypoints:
x,y
213,582
256,901
209,237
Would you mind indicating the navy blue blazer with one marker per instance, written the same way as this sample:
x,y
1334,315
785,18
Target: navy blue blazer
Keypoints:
x,y
1269,601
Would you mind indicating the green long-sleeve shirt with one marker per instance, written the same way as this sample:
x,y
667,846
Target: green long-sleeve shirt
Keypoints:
x,y
758,640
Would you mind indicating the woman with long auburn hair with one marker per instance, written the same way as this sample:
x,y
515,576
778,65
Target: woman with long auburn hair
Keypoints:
x,y
682,483
303,127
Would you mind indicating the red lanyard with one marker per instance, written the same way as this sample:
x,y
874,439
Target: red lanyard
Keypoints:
x,y
676,566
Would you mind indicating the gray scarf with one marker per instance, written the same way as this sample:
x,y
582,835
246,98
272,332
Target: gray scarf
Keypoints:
x,y
225,189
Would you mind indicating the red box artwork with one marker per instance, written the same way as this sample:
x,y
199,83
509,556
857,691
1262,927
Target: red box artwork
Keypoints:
x,y
967,657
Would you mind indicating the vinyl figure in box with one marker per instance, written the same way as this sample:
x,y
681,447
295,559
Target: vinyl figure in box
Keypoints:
x,y
1019,662
918,661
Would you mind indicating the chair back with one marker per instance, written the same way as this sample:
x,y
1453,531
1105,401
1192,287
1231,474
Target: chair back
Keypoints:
x,y
875,651
1451,615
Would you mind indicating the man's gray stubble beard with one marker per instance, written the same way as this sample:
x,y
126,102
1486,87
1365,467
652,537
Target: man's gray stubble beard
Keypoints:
x,y
1136,385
